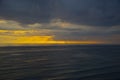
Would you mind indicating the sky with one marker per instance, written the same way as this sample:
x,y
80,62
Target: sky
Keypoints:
x,y
59,21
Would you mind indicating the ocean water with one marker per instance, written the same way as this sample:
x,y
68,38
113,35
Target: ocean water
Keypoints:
x,y
88,62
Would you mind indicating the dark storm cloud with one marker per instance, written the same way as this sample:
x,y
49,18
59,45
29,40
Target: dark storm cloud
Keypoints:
x,y
26,11
91,12
85,12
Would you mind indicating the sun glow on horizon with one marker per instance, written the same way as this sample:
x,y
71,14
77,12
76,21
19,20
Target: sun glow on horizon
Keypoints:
x,y
19,37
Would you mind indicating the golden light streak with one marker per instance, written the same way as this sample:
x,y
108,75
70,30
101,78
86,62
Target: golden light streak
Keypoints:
x,y
19,37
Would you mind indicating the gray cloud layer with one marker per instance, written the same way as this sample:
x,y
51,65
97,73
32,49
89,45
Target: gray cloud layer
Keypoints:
x,y
92,12
87,12
98,19
26,11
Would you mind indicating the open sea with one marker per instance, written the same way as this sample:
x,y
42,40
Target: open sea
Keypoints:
x,y
75,62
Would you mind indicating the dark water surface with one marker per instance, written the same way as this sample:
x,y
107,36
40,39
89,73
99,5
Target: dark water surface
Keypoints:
x,y
100,62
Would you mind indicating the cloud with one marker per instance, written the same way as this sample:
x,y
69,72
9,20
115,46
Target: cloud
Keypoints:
x,y
101,13
98,13
57,26
84,12
10,24
26,11
61,30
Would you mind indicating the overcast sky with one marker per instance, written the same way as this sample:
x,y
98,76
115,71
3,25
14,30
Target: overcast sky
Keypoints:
x,y
65,19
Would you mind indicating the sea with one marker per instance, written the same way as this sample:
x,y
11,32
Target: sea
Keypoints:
x,y
60,62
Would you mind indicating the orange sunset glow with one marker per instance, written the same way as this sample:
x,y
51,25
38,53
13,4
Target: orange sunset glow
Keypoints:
x,y
19,37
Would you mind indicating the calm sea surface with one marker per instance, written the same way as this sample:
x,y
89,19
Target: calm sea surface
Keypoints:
x,y
100,62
